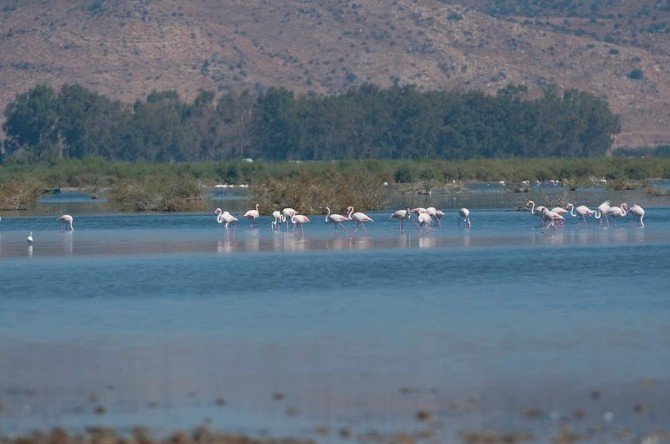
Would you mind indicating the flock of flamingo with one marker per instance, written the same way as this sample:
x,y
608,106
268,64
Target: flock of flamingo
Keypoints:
x,y
555,216
425,218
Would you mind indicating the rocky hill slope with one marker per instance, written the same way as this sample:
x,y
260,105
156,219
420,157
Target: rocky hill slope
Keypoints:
x,y
126,48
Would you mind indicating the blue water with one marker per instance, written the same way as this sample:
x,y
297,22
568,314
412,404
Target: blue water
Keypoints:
x,y
154,317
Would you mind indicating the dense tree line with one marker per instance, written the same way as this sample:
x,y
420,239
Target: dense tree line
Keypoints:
x,y
367,122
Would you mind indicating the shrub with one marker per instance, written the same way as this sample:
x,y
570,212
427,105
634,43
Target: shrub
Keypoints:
x,y
159,194
403,174
310,194
636,74
19,194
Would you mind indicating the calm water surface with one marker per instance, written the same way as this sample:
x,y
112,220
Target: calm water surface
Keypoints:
x,y
158,318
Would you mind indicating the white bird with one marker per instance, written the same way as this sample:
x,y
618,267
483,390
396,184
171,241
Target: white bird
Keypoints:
x,y
436,214
359,217
418,210
30,238
582,211
337,219
277,219
617,212
559,210
299,220
539,208
424,222
224,217
464,214
551,217
604,209
67,220
638,212
288,213
402,216
438,217
252,215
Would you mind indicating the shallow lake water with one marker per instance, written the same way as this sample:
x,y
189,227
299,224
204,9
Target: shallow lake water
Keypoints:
x,y
171,322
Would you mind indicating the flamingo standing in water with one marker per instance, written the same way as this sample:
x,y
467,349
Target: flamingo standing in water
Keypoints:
x,y
252,215
299,220
424,221
638,212
402,216
552,217
359,217
277,219
435,213
582,211
418,210
67,220
604,209
288,213
617,212
438,217
337,219
464,214
533,209
30,238
224,217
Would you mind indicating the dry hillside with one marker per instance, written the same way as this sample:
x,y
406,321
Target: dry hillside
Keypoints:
x,y
126,48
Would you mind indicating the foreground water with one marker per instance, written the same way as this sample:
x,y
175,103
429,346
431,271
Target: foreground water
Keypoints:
x,y
169,321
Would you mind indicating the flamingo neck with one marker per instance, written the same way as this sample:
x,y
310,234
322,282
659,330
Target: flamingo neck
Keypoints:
x,y
572,210
532,206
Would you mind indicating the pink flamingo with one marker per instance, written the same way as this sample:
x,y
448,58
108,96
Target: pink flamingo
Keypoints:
x,y
435,213
617,212
560,210
464,214
438,217
418,210
360,218
67,220
299,220
288,213
604,209
582,211
424,221
552,218
336,219
402,216
224,217
252,215
638,212
277,219
539,208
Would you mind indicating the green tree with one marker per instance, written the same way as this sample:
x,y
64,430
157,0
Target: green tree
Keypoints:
x,y
30,123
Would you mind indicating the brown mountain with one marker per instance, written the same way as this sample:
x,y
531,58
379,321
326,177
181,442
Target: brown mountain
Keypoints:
x,y
126,48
